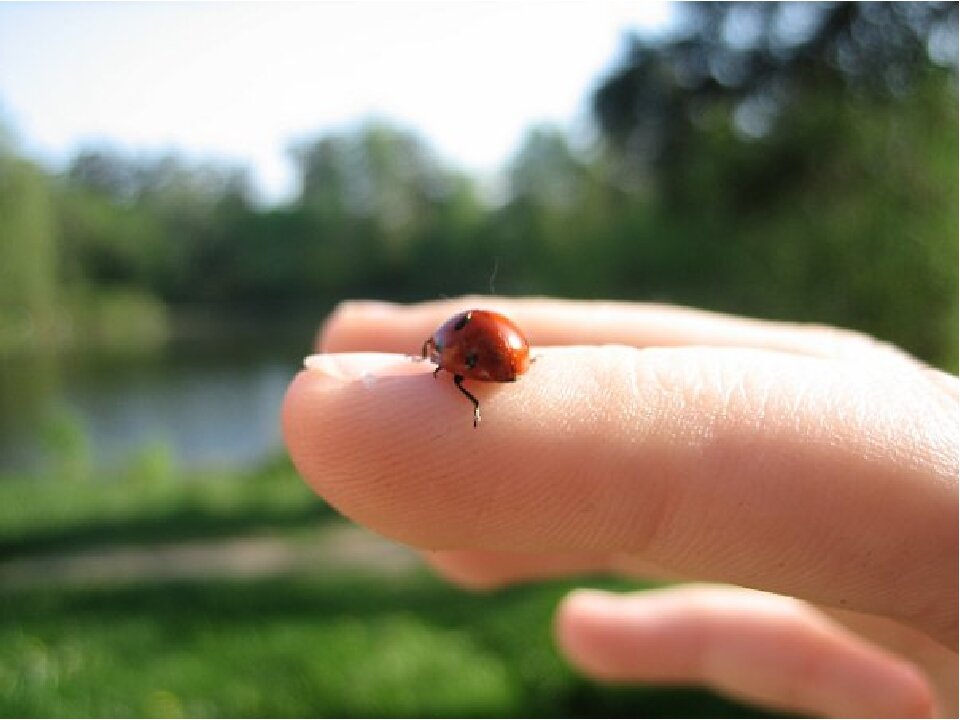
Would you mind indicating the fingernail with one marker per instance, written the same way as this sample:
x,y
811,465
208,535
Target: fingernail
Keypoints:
x,y
361,366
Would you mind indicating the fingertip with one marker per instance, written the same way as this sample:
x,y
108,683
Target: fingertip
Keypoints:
x,y
329,337
763,647
579,623
587,603
295,414
461,569
377,437
291,410
317,412
364,325
592,634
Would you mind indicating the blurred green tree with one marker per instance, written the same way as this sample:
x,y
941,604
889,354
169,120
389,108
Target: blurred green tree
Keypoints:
x,y
152,221
389,217
782,160
807,155
28,256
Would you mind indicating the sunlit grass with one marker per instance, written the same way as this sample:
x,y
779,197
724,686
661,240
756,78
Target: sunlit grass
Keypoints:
x,y
342,646
150,502
320,641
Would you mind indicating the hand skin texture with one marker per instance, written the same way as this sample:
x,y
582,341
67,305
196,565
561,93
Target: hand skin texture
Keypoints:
x,y
802,478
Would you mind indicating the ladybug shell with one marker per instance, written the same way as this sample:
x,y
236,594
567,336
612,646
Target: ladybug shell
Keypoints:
x,y
480,345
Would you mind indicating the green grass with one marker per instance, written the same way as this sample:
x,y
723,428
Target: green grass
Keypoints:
x,y
349,644
144,505
343,646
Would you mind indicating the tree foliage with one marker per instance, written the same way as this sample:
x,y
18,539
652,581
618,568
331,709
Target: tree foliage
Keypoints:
x,y
811,150
779,160
28,292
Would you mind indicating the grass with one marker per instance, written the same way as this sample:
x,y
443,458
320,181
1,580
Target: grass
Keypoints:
x,y
42,515
341,646
325,643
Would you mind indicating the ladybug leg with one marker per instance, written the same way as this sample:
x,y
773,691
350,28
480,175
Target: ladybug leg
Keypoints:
x,y
458,381
437,371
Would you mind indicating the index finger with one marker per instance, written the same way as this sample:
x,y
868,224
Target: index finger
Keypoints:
x,y
389,327
791,474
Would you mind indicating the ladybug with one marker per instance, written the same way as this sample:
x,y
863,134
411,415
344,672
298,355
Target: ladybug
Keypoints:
x,y
480,345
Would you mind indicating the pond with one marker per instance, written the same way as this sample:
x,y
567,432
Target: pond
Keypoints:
x,y
208,404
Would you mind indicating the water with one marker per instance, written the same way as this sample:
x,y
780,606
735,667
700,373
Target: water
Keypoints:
x,y
209,405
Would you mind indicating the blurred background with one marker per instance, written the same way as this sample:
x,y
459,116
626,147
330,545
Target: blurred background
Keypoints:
x,y
187,189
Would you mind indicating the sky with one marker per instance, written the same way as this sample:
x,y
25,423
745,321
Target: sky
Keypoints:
x,y
242,81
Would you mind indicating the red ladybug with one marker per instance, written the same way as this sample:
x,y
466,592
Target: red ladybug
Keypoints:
x,y
480,345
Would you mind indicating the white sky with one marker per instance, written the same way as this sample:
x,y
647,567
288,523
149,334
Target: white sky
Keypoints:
x,y
240,81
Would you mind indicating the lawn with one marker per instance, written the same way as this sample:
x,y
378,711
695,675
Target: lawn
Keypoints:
x,y
338,642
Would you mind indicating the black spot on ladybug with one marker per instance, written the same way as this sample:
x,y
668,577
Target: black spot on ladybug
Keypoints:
x,y
462,322
454,348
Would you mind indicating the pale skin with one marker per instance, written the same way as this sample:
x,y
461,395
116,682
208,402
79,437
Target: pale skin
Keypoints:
x,y
802,480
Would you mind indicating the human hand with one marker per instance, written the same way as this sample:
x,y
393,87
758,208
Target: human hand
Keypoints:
x,y
813,470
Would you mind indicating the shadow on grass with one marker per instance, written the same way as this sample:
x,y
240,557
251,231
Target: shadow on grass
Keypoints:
x,y
43,515
181,525
340,645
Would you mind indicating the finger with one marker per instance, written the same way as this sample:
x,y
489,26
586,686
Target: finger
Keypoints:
x,y
486,570
387,327
760,647
790,474
938,662
483,570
